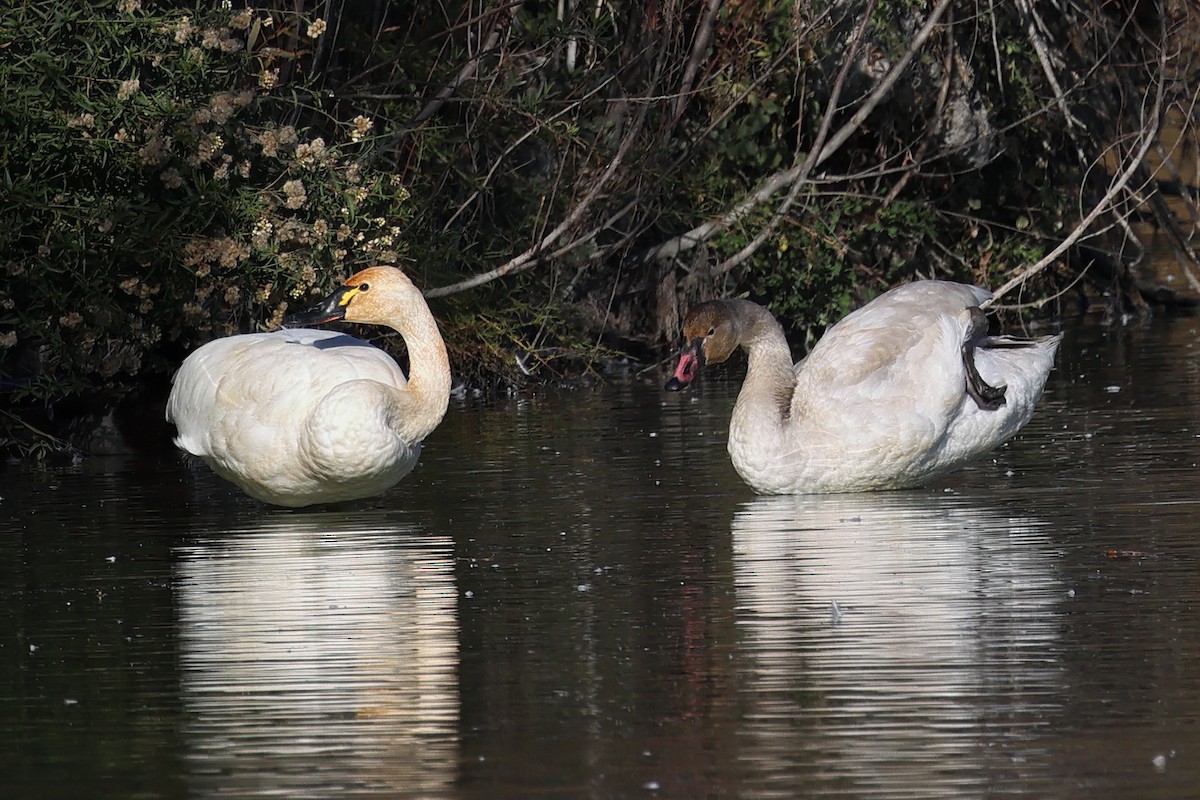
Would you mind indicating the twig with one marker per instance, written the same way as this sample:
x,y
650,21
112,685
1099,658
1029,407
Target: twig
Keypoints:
x,y
810,160
702,233
1177,237
935,118
499,25
61,443
885,86
699,46
1039,46
496,164
532,255
1149,136
464,74
996,47
1042,301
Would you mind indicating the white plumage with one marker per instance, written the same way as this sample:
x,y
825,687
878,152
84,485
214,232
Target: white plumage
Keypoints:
x,y
300,416
886,398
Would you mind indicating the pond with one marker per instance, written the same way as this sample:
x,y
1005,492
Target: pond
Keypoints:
x,y
574,596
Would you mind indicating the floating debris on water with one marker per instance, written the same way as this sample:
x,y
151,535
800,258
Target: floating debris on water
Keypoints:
x,y
1128,554
835,611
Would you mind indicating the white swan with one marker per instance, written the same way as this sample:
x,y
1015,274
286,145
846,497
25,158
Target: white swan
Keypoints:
x,y
298,416
905,388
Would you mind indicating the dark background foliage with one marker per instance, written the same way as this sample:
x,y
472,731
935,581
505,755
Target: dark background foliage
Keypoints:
x,y
564,179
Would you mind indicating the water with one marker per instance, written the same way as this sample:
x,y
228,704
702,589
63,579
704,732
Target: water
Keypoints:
x,y
575,597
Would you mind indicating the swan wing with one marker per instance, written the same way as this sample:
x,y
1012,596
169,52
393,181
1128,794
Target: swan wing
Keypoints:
x,y
901,350
254,389
886,387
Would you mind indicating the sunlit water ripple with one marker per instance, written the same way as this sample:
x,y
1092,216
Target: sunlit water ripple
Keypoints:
x,y
316,656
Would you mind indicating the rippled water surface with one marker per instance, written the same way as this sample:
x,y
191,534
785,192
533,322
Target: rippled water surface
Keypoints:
x,y
575,597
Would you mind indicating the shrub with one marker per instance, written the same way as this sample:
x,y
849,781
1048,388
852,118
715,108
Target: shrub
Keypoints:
x,y
153,199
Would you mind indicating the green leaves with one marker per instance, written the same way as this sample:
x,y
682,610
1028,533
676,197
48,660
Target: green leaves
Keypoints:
x,y
146,195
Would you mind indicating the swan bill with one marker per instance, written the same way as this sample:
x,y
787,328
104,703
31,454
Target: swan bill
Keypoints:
x,y
331,309
691,359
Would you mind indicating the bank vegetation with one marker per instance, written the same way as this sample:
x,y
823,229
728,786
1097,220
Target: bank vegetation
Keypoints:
x,y
565,178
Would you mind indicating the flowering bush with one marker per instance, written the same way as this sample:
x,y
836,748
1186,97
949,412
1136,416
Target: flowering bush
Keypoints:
x,y
153,197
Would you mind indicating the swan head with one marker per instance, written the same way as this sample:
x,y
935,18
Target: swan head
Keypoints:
x,y
710,335
367,296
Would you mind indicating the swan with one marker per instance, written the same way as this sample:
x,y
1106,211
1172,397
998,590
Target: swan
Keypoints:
x,y
908,387
299,416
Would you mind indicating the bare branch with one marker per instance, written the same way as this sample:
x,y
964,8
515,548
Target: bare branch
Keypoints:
x,y
935,119
702,233
1149,136
885,86
542,124
703,38
533,254
810,161
464,74
1039,46
499,26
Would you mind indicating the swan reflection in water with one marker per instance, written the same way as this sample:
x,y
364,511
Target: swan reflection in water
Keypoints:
x,y
318,657
900,644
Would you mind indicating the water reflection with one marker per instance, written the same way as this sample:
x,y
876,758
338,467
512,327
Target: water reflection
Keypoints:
x,y
900,645
319,658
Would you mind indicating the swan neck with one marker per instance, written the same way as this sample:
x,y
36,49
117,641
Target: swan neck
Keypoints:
x,y
760,428
427,394
770,374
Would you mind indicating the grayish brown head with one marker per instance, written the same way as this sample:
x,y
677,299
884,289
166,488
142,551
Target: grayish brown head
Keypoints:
x,y
711,333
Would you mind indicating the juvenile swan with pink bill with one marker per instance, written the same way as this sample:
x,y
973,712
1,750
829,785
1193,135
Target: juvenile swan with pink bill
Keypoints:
x,y
906,388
